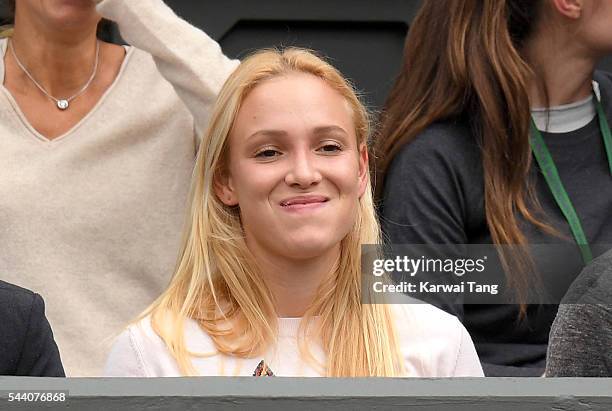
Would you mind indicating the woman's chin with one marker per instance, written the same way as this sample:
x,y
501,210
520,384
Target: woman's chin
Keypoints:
x,y
306,250
80,15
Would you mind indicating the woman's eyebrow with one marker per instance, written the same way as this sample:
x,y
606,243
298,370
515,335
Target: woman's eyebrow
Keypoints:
x,y
329,130
268,133
282,133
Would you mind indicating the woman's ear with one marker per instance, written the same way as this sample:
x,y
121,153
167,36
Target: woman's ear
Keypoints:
x,y
364,174
224,188
571,9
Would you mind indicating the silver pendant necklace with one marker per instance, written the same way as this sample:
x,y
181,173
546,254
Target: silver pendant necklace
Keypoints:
x,y
64,103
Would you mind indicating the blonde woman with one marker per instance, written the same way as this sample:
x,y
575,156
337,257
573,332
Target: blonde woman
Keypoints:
x,y
268,279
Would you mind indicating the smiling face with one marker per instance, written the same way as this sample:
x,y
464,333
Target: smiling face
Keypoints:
x,y
295,169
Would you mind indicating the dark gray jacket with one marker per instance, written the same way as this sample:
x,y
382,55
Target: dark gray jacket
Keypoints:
x,y
434,194
27,347
580,342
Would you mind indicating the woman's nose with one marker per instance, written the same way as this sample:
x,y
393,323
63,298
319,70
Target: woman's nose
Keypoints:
x,y
303,171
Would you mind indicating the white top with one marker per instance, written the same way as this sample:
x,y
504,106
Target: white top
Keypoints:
x,y
567,117
92,220
433,343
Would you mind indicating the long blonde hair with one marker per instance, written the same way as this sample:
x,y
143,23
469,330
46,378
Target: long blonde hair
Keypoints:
x,y
216,281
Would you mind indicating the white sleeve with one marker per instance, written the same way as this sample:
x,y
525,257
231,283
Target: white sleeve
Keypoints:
x,y
468,363
125,358
186,56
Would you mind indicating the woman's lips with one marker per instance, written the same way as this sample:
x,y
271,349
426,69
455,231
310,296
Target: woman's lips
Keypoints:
x,y
303,202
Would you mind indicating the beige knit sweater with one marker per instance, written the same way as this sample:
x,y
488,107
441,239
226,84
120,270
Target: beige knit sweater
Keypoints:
x,y
92,220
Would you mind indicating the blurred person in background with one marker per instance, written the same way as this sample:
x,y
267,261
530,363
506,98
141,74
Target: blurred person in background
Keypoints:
x,y
97,148
496,132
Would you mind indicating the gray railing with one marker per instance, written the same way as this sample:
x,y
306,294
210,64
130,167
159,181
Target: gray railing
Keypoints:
x,y
221,393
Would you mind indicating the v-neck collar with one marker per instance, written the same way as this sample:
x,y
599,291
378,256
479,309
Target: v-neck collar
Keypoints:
x,y
24,120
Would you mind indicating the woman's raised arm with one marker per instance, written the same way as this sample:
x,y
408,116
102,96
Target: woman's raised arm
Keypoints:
x,y
186,56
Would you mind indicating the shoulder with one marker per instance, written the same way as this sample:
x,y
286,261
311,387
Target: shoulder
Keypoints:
x,y
17,301
444,151
580,340
450,140
20,310
140,60
571,319
25,335
13,289
435,178
581,334
140,351
130,70
594,284
434,343
455,132
134,66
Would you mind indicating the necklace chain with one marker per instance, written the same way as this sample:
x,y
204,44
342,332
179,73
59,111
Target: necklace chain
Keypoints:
x,y
62,104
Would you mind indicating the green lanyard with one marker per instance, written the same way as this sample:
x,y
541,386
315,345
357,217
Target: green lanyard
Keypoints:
x,y
551,175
